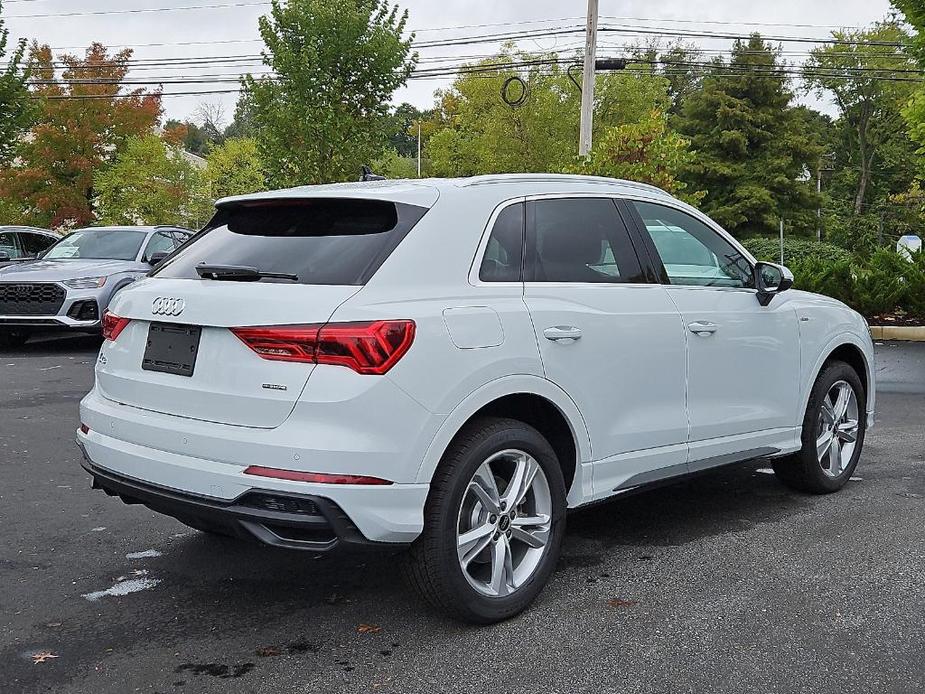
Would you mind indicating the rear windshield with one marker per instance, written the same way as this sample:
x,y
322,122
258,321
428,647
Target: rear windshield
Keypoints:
x,y
320,241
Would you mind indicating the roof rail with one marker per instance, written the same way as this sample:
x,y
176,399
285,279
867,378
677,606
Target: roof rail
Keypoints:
x,y
556,178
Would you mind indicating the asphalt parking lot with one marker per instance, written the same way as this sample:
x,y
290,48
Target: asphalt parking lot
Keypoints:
x,y
727,583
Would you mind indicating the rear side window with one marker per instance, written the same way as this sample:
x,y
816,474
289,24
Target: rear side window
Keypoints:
x,y
504,253
320,240
580,240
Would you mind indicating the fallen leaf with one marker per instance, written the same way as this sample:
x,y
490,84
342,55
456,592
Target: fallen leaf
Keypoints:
x,y
268,651
369,629
42,657
619,602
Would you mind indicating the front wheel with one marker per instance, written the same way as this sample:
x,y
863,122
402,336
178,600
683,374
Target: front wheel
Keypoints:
x,y
833,434
493,523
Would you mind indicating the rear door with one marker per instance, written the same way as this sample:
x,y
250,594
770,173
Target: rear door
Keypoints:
x,y
179,356
608,336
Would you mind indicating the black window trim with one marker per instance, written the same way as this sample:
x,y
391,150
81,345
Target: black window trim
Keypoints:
x,y
655,260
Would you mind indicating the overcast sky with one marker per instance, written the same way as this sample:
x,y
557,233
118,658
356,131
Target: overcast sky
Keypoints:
x,y
236,28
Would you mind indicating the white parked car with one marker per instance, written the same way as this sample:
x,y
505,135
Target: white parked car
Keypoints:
x,y
452,364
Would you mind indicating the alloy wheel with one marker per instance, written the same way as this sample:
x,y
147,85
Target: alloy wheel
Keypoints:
x,y
837,429
504,523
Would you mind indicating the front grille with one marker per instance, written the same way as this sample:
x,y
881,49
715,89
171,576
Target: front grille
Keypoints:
x,y
30,299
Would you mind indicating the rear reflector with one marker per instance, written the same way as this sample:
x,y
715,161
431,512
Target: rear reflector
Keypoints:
x,y
371,347
316,477
113,325
84,429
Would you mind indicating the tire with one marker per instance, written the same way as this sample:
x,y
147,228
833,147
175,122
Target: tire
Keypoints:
x,y
810,470
435,564
13,339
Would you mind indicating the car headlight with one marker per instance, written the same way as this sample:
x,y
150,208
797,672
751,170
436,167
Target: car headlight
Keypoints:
x,y
86,282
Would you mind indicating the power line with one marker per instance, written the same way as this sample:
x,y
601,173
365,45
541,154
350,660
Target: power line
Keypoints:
x,y
140,10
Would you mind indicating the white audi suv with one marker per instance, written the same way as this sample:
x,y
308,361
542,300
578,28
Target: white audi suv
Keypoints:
x,y
451,365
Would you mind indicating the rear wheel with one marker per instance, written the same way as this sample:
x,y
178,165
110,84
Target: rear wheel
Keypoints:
x,y
833,433
16,338
493,523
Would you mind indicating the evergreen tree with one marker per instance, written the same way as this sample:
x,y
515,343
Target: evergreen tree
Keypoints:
x,y
753,153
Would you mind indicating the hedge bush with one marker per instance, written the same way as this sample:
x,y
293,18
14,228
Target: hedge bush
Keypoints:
x,y
796,251
873,283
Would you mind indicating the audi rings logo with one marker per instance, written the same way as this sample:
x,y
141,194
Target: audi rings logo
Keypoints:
x,y
167,306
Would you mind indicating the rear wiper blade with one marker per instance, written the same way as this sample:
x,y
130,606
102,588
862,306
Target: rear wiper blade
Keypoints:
x,y
240,273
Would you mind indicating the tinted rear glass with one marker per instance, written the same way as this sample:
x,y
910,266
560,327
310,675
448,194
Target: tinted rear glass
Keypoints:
x,y
321,241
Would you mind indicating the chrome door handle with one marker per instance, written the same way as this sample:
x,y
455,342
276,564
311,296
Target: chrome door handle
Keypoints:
x,y
702,328
560,333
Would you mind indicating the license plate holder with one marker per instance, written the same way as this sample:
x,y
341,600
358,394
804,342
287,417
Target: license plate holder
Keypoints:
x,y
172,348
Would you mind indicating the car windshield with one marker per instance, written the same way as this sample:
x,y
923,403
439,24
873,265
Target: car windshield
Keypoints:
x,y
110,244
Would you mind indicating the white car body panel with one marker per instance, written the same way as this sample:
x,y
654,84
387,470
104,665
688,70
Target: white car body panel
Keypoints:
x,y
643,397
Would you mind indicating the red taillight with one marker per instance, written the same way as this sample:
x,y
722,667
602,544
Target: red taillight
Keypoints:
x,y
113,325
84,429
316,477
372,347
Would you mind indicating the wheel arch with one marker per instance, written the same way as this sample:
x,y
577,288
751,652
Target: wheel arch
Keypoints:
x,y
850,350
535,401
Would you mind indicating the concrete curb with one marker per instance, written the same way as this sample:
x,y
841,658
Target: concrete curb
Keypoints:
x,y
898,332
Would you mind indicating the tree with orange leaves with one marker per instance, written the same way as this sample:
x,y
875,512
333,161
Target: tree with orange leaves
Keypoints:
x,y
84,117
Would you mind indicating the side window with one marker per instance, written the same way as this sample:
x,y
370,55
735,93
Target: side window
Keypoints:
x,y
9,245
503,257
580,240
35,243
161,242
693,253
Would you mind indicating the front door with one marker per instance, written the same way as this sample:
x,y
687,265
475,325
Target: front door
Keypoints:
x,y
743,358
610,339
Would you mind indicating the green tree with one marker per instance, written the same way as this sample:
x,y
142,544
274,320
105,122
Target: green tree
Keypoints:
x,y
15,108
242,124
324,112
860,73
647,151
393,165
151,183
235,168
474,131
752,151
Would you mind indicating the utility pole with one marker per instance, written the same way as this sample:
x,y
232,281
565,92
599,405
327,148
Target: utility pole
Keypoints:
x,y
781,240
587,80
819,193
419,148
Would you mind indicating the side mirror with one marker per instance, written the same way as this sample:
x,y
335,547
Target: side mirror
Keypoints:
x,y
4,257
771,279
157,257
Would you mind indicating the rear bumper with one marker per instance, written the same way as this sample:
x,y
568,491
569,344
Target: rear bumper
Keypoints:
x,y
145,450
293,521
